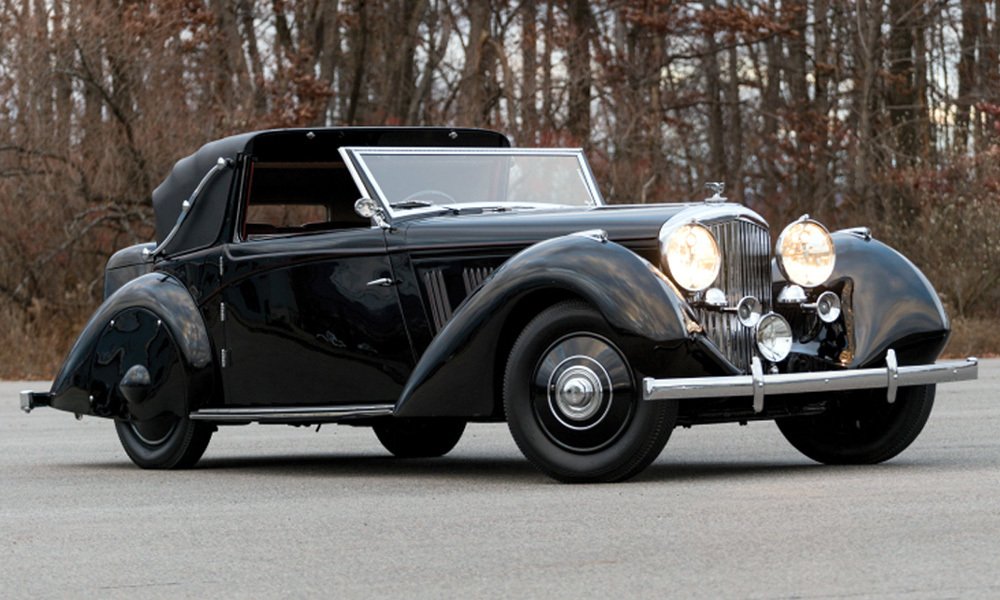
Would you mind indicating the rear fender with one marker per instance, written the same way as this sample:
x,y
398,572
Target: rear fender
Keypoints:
x,y
152,321
457,374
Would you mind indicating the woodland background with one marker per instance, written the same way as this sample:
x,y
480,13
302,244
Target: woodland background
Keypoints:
x,y
878,112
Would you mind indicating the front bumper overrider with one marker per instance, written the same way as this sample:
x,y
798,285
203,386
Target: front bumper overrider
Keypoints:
x,y
758,384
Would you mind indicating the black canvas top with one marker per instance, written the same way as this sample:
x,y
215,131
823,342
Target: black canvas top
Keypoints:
x,y
204,224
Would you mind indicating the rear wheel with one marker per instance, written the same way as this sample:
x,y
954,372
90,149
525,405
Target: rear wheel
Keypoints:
x,y
419,438
572,402
154,428
861,427
165,442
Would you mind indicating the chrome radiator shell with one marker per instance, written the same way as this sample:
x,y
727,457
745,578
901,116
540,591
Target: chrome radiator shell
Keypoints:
x,y
746,271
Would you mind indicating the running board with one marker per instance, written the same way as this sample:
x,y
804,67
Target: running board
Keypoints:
x,y
291,414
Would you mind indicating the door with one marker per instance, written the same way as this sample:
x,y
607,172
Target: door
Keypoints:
x,y
313,320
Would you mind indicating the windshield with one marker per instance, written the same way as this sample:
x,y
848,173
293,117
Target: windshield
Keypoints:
x,y
407,179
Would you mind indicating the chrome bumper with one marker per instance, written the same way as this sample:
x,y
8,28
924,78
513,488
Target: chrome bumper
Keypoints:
x,y
758,385
30,400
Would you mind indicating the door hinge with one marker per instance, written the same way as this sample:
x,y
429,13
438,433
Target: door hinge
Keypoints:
x,y
224,357
222,312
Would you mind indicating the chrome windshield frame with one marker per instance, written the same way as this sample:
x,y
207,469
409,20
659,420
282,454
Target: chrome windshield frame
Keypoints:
x,y
365,180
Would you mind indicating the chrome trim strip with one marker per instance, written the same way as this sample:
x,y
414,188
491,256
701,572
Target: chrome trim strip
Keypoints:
x,y
291,413
800,383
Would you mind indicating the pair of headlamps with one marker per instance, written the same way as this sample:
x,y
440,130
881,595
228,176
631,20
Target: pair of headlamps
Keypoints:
x,y
805,255
691,255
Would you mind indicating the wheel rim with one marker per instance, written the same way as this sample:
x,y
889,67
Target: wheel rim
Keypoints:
x,y
582,393
154,432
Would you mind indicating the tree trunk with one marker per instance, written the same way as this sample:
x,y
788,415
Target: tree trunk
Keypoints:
x,y
471,89
901,93
329,54
579,71
359,48
966,74
529,49
713,95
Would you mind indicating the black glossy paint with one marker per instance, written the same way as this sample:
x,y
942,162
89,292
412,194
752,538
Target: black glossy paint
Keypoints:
x,y
124,266
303,327
153,321
459,370
893,304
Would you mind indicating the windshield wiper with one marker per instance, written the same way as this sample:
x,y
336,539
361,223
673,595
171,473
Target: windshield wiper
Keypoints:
x,y
412,204
508,207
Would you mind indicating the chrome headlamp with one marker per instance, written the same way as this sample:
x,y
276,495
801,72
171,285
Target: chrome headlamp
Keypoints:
x,y
690,255
805,253
774,337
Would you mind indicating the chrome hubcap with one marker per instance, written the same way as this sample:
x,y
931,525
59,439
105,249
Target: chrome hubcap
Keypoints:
x,y
583,392
578,393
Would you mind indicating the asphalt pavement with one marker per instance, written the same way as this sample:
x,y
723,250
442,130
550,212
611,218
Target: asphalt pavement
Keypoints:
x,y
276,511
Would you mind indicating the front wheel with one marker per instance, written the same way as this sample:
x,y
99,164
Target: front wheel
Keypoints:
x,y
861,428
572,402
165,442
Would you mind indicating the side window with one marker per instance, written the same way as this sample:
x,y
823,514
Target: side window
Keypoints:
x,y
299,198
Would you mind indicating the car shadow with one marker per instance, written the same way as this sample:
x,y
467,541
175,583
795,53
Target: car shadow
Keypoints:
x,y
503,470
375,466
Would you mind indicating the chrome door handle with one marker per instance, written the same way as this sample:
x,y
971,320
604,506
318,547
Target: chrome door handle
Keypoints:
x,y
382,281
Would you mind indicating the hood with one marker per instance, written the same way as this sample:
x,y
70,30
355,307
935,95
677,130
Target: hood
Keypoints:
x,y
624,224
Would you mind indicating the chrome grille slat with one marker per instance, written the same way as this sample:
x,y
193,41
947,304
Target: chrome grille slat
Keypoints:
x,y
746,271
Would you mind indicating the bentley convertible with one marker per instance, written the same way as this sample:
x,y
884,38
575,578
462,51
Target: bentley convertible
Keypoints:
x,y
413,280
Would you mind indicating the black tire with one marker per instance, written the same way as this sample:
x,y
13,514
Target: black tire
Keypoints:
x,y
599,429
168,442
419,438
861,428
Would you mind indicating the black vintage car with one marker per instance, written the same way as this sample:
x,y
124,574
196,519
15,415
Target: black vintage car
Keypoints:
x,y
416,279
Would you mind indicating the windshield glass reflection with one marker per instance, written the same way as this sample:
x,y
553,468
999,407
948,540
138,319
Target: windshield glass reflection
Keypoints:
x,y
412,180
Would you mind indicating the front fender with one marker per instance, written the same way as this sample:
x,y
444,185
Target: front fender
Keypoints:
x,y
145,308
893,303
457,374
888,303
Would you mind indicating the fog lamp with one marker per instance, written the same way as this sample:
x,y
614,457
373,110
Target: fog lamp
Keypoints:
x,y
748,311
774,337
828,307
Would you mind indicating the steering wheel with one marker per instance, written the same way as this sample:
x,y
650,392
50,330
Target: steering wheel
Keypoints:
x,y
422,193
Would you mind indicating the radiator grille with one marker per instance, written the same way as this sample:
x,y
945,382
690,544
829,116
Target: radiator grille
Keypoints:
x,y
746,271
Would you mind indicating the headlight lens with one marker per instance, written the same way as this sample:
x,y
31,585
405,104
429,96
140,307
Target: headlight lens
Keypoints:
x,y
805,253
774,337
692,256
